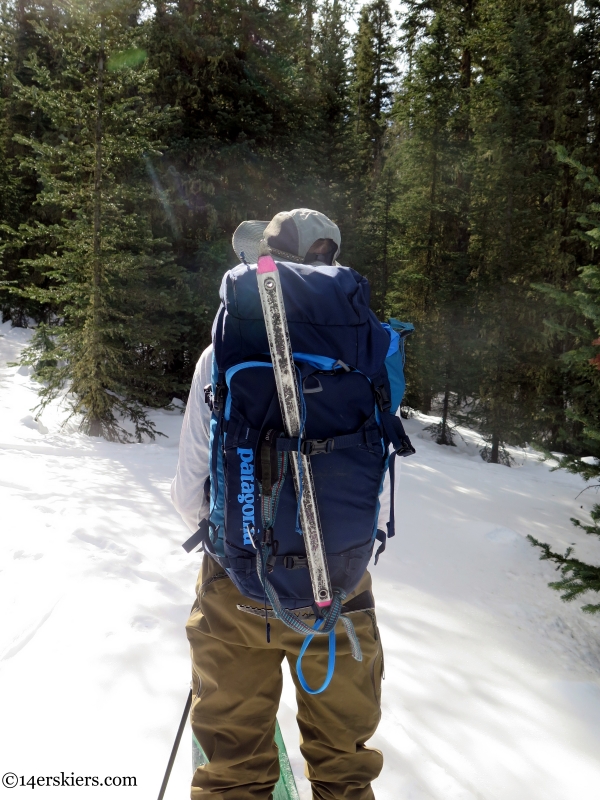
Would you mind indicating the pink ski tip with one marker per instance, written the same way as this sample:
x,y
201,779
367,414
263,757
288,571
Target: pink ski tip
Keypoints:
x,y
324,604
266,264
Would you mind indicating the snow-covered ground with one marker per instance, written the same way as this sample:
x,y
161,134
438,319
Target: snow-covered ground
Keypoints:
x,y
492,687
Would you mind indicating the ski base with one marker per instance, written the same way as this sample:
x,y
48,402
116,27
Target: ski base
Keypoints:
x,y
285,789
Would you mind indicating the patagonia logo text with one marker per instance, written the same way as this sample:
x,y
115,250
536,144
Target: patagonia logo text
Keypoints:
x,y
246,498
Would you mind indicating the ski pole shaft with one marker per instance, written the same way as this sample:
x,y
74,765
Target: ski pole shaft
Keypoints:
x,y
271,297
186,711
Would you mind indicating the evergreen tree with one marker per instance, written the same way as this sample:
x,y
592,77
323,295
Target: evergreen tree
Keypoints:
x,y
583,363
243,144
515,110
375,72
582,129
19,183
373,77
432,152
335,140
576,38
8,168
503,230
113,287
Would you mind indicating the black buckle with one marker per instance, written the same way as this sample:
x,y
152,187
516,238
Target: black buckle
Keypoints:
x,y
220,394
295,562
407,449
383,399
267,537
312,447
208,395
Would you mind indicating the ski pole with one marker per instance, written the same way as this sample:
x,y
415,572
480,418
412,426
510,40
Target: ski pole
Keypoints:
x,y
271,297
186,711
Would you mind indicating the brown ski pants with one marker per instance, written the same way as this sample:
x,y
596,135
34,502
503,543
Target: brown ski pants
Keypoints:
x,y
237,684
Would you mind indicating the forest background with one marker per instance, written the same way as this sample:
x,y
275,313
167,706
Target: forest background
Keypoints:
x,y
455,144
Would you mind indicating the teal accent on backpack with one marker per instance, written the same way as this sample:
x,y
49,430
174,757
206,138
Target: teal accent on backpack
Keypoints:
x,y
394,362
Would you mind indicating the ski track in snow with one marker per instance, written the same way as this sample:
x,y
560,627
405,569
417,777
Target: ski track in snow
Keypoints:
x,y
492,688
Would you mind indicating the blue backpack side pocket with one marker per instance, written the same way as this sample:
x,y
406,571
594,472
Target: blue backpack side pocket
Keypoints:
x,y
394,361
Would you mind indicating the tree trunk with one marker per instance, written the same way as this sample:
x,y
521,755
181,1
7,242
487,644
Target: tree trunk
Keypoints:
x,y
384,262
309,31
186,8
495,448
378,144
95,426
463,180
432,198
444,437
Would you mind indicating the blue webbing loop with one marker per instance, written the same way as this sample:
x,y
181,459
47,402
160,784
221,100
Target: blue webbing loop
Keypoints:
x,y
330,661
333,614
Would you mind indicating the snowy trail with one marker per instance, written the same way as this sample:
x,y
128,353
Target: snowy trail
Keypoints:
x,y
492,687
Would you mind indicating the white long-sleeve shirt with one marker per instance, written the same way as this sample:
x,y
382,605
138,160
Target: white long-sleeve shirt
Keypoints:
x,y
193,468
187,489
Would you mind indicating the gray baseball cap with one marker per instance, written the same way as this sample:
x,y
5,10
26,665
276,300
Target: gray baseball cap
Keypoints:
x,y
289,235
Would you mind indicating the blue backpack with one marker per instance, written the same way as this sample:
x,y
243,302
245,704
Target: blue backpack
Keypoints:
x,y
351,382
350,375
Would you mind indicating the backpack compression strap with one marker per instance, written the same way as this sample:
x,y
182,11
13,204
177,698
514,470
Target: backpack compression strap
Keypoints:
x,y
394,430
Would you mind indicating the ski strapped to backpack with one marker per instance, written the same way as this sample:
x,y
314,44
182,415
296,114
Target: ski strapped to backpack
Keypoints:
x,y
303,399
